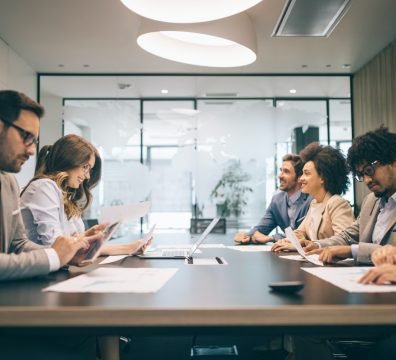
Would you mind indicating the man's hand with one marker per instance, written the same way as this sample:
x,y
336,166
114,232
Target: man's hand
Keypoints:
x,y
333,254
310,247
385,255
241,237
283,245
382,274
260,238
73,248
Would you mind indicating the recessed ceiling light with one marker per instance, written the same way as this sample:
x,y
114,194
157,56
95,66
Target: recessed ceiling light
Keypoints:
x,y
292,91
164,91
346,66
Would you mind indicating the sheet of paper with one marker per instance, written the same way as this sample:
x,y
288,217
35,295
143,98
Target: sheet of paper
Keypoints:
x,y
116,280
251,248
207,261
347,278
112,258
314,259
296,257
124,212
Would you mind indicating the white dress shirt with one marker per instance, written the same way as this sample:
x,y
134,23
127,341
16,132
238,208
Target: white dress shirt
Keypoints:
x,y
43,213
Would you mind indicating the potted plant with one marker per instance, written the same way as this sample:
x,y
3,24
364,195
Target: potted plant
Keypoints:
x,y
230,193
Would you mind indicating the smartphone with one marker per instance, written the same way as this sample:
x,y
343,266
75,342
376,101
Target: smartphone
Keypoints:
x,y
146,239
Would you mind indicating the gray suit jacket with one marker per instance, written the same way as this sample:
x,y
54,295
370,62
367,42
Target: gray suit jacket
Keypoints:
x,y
361,231
23,258
276,214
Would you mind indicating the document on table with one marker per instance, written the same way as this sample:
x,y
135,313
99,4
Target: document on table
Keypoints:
x,y
251,248
123,212
347,278
117,280
112,258
314,259
297,257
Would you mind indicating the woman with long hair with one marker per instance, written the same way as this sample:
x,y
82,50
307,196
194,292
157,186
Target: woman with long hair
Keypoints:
x,y
325,178
53,201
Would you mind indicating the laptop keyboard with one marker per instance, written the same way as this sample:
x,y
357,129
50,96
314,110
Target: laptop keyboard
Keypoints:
x,y
175,252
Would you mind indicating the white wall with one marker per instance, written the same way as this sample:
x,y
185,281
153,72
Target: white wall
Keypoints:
x,y
16,74
51,123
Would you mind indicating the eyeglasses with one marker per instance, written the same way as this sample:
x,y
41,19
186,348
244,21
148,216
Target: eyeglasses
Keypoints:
x,y
87,169
368,170
27,137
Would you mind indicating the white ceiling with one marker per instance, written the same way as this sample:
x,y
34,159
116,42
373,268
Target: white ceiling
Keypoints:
x,y
101,34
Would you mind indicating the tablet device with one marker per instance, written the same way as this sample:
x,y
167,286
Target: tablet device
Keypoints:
x,y
96,246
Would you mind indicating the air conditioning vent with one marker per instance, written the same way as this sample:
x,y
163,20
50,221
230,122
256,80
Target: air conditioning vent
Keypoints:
x,y
310,17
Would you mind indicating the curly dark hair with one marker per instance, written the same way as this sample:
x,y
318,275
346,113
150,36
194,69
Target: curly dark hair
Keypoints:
x,y
378,145
297,163
330,165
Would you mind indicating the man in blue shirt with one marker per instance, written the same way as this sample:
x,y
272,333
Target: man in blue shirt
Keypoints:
x,y
287,208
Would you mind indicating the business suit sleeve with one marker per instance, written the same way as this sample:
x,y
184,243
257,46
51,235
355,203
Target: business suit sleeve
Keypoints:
x,y
348,236
23,258
267,222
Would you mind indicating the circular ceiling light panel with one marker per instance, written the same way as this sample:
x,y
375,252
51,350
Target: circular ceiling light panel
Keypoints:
x,y
229,42
188,11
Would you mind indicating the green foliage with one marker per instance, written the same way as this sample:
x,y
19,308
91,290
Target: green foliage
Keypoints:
x,y
230,193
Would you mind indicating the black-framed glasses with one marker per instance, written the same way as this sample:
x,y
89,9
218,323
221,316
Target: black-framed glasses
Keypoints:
x,y
27,137
368,170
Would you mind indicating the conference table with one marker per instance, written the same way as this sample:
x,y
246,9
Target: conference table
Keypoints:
x,y
233,298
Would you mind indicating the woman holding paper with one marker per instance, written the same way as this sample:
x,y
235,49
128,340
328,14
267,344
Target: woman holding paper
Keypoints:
x,y
325,178
53,201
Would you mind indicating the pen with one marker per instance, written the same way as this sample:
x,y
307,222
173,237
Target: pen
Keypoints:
x,y
219,260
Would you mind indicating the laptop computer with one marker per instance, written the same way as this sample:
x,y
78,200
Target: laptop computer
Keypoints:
x,y
180,253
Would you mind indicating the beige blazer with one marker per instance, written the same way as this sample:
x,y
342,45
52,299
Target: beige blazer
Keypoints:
x,y
21,258
336,215
361,231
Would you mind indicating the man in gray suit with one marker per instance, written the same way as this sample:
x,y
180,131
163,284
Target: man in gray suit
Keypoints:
x,y
372,157
287,208
20,257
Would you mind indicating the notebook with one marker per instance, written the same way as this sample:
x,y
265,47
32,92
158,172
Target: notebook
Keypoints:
x,y
180,253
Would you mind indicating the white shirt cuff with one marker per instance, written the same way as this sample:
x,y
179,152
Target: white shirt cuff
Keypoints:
x,y
318,243
53,258
354,250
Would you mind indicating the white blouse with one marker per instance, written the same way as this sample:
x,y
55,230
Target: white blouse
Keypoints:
x,y
43,213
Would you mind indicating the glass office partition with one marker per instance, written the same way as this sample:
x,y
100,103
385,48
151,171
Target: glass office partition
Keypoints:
x,y
114,128
167,129
196,146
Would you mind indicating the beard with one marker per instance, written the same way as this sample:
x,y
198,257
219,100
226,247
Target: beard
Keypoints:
x,y
380,194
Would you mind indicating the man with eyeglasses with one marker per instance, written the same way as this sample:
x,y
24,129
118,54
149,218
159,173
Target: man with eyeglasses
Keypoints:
x,y
20,257
372,158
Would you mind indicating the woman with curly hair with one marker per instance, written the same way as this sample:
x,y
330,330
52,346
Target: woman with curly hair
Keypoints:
x,y
325,178
53,201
